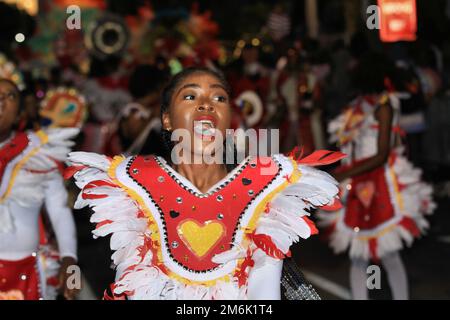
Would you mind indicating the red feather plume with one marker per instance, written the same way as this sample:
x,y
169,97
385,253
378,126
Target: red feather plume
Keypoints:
x,y
266,244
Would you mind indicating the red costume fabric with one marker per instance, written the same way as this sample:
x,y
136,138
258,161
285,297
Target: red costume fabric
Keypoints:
x,y
19,280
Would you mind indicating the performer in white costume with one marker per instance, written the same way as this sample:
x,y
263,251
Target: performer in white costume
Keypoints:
x,y
197,231
30,178
385,200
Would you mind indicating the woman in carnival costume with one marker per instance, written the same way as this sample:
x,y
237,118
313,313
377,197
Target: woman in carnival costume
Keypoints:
x,y
385,199
184,230
29,179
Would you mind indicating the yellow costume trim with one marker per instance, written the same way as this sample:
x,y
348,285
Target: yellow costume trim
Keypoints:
x,y
44,140
42,136
378,234
398,194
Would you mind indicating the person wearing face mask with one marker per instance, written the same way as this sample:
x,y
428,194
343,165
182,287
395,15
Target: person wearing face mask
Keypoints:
x,y
187,229
29,179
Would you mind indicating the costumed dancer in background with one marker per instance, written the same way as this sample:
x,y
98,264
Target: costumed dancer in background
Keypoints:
x,y
248,75
139,124
385,200
29,179
299,84
201,231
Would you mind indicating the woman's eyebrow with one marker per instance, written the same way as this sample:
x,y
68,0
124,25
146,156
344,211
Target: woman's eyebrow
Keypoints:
x,y
218,85
189,85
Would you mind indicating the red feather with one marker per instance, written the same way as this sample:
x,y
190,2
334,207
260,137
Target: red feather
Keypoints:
x,y
410,225
103,223
99,183
321,158
109,294
241,274
145,247
311,226
70,171
93,196
266,244
294,152
336,205
96,184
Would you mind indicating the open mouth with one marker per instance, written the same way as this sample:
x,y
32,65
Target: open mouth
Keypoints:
x,y
205,127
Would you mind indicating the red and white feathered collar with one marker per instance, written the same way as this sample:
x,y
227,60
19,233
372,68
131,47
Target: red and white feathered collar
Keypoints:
x,y
194,227
149,212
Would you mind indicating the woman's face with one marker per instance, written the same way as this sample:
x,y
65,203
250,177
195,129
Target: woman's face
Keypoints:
x,y
200,105
9,106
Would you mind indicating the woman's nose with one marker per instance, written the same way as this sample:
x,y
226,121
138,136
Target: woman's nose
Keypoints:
x,y
205,107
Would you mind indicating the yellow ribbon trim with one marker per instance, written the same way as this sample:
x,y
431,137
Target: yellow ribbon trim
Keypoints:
x,y
398,194
378,234
44,140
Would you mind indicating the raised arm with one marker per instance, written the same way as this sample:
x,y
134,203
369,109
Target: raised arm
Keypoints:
x,y
384,115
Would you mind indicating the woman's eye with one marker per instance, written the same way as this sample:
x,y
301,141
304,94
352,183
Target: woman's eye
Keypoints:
x,y
189,97
220,98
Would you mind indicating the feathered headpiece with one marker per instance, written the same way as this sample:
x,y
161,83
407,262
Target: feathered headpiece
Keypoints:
x,y
9,71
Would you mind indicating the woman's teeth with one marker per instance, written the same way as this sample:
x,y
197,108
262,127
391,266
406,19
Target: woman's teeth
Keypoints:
x,y
204,128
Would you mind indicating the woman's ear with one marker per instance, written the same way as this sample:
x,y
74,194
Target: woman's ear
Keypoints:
x,y
166,122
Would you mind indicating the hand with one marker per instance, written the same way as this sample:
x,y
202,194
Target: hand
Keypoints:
x,y
69,294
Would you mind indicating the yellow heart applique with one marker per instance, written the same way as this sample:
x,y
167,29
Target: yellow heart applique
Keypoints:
x,y
365,192
200,238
